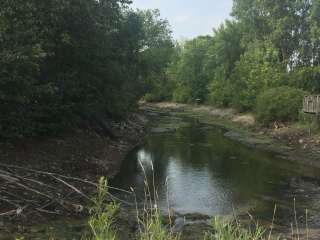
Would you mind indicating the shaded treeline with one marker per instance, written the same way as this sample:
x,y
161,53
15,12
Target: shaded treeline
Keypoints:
x,y
65,61
267,44
68,61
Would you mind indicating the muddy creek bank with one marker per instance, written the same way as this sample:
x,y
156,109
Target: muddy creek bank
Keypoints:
x,y
202,169
208,169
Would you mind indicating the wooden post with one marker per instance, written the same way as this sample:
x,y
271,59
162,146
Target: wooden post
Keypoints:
x,y
311,105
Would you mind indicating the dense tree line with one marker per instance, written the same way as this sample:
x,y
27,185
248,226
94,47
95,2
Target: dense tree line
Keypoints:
x,y
267,44
64,61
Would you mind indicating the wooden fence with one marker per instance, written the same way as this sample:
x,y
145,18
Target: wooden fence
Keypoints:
x,y
311,104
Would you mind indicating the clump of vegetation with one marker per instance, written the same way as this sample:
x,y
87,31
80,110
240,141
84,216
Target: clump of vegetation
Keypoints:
x,y
102,215
224,230
153,228
279,104
306,78
102,222
152,97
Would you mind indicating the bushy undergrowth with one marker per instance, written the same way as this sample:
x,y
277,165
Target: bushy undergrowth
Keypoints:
x,y
149,97
279,104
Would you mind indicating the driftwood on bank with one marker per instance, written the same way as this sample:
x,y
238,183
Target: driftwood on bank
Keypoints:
x,y
26,191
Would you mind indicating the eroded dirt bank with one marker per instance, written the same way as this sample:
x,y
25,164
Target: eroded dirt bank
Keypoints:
x,y
53,178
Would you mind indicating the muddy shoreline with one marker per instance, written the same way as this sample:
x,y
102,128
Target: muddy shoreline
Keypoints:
x,y
85,154
69,164
284,142
290,142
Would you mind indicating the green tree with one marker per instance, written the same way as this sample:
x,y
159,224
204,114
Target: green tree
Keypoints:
x,y
156,54
258,69
223,53
314,22
191,81
65,61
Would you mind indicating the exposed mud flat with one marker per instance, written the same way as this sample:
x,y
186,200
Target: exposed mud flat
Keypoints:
x,y
48,179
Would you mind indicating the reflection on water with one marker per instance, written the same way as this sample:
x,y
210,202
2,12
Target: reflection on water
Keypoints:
x,y
198,170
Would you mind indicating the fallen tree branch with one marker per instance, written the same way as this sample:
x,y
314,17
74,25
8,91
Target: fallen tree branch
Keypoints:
x,y
48,173
12,212
72,187
49,192
17,178
8,201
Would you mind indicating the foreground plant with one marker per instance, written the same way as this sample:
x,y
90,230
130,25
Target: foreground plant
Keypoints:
x,y
153,228
232,231
102,215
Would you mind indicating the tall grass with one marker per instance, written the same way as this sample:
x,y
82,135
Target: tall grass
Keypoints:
x,y
231,230
102,215
151,227
102,218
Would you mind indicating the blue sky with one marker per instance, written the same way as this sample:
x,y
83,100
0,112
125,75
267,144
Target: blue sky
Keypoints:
x,y
189,18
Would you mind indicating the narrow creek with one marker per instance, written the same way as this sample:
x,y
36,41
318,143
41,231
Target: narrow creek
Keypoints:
x,y
197,170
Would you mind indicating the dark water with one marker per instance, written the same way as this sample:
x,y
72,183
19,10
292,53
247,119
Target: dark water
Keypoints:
x,y
196,169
